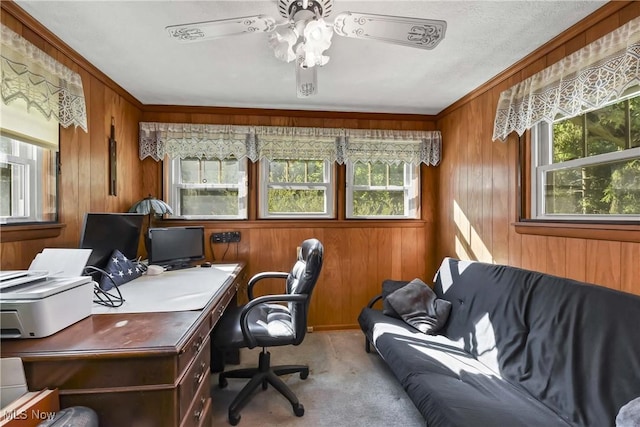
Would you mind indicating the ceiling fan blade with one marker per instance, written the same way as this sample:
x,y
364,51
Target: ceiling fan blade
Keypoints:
x,y
306,79
412,32
208,30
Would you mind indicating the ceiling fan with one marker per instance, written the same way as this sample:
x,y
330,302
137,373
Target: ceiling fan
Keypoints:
x,y
305,35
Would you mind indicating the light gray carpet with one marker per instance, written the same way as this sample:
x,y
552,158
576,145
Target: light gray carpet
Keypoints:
x,y
346,387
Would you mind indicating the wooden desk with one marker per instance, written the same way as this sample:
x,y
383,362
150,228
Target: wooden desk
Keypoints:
x,y
136,369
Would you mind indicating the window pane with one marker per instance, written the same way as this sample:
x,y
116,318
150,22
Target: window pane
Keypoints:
x,y
190,171
378,174
568,140
12,190
634,114
230,171
371,203
396,175
28,182
296,171
196,171
208,202
296,201
607,129
612,188
361,173
211,172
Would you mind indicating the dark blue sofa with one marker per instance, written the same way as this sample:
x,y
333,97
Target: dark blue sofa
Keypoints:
x,y
519,348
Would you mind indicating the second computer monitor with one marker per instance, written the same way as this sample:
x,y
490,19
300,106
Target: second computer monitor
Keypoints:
x,y
175,247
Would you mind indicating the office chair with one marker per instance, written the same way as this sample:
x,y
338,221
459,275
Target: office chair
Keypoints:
x,y
262,322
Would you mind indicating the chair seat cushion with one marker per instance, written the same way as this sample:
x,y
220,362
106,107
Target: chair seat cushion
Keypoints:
x,y
269,323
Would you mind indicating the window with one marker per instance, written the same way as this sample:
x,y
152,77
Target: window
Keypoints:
x,y
380,190
296,188
588,167
208,188
28,165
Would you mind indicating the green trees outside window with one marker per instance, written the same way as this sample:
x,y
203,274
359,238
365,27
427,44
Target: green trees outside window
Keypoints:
x,y
296,187
594,163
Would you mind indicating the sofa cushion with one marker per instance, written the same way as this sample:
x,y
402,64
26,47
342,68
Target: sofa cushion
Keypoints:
x,y
447,385
417,305
571,345
463,398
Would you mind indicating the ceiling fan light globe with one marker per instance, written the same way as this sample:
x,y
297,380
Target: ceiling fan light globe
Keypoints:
x,y
283,43
319,33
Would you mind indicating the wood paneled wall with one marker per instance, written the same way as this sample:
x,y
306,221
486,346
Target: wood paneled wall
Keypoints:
x,y
83,181
359,255
478,184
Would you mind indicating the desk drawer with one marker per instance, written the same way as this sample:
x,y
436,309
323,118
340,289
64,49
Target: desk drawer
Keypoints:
x,y
193,346
199,412
197,374
219,309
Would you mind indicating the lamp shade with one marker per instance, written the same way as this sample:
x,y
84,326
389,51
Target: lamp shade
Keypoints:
x,y
150,205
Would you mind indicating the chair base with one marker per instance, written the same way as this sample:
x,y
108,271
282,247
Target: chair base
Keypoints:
x,y
263,375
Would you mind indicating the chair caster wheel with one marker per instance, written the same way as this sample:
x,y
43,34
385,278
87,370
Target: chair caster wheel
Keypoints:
x,y
298,409
304,374
222,382
234,419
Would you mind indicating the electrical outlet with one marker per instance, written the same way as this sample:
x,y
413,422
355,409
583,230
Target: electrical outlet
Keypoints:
x,y
225,237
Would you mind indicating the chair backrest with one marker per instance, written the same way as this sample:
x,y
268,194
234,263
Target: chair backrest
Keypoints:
x,y
301,280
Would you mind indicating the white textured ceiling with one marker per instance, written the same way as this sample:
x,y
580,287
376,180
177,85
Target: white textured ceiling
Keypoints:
x,y
128,42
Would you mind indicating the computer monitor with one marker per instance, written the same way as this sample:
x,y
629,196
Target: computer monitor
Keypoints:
x,y
104,232
175,247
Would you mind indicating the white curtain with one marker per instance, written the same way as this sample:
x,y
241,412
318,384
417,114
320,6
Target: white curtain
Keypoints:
x,y
44,83
603,71
158,140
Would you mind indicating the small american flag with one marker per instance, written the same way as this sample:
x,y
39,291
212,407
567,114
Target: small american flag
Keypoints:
x,y
119,270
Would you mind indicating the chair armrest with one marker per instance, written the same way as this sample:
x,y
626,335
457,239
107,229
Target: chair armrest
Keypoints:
x,y
244,321
264,275
374,300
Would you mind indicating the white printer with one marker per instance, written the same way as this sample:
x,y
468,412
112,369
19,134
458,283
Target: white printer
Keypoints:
x,y
34,305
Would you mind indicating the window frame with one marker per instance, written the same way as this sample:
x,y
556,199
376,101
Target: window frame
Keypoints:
x,y
31,156
174,185
329,185
541,163
411,175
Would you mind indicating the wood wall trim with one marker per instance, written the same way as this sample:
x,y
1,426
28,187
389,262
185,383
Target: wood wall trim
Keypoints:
x,y
291,223
610,232
30,22
599,15
231,111
15,233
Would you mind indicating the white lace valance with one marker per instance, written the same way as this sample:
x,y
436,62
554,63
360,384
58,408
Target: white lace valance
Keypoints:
x,y
393,146
297,142
603,71
180,140
44,83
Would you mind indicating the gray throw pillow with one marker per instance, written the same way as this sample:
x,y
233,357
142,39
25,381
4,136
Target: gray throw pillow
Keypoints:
x,y
388,287
418,306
